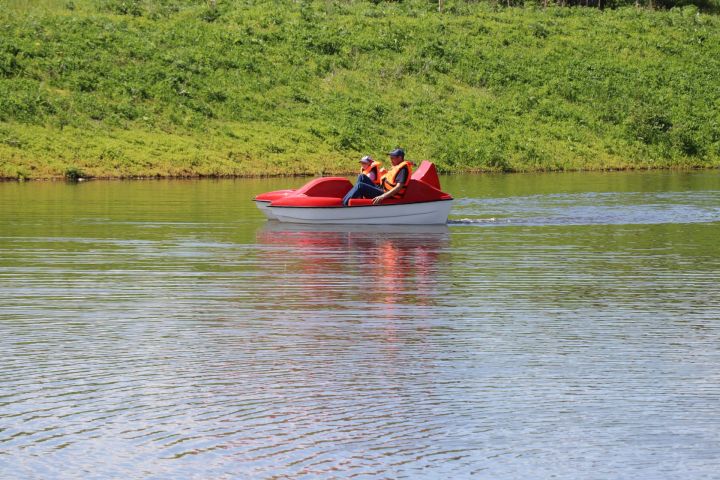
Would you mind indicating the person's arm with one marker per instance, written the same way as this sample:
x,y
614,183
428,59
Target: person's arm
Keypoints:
x,y
388,194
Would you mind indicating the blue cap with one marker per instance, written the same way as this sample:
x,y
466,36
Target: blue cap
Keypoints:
x,y
398,152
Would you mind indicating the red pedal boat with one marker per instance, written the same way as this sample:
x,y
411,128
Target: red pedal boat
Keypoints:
x,y
320,201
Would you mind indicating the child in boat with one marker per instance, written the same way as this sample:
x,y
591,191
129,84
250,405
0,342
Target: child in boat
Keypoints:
x,y
372,169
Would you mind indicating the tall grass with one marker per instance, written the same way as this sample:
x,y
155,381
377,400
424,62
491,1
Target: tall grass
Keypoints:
x,y
123,88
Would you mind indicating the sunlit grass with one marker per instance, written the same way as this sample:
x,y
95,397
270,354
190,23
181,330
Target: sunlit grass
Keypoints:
x,y
115,88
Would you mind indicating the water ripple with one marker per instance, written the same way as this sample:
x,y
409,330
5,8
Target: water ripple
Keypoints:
x,y
580,341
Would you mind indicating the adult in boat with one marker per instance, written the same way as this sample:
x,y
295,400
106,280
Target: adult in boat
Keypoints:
x,y
395,181
392,183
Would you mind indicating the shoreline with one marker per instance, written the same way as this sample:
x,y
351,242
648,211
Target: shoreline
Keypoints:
x,y
111,178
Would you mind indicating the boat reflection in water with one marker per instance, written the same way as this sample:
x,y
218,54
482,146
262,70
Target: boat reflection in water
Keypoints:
x,y
350,266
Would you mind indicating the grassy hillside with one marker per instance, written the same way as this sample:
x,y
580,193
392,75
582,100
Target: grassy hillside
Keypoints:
x,y
115,88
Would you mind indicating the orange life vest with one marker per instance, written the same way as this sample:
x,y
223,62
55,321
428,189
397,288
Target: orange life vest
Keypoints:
x,y
379,171
388,180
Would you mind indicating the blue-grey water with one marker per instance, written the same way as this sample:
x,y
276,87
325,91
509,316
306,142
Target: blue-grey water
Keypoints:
x,y
560,326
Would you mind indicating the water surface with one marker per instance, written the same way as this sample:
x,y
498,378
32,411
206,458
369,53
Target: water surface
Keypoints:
x,y
561,326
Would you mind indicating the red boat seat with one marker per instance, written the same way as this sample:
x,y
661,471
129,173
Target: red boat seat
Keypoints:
x,y
427,173
359,202
326,187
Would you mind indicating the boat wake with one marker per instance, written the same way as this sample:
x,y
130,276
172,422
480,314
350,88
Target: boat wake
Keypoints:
x,y
478,221
626,208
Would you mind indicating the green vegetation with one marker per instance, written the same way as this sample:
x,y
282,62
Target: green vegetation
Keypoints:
x,y
123,88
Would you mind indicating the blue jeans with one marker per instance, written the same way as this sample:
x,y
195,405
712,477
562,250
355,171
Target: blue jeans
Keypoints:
x,y
364,188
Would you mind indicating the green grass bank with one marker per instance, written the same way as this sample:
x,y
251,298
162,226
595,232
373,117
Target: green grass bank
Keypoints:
x,y
113,88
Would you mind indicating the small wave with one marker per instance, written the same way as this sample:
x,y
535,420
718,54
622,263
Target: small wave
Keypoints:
x,y
477,221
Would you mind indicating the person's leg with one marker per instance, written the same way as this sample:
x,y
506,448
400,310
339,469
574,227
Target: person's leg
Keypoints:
x,y
362,189
351,193
370,190
362,181
365,179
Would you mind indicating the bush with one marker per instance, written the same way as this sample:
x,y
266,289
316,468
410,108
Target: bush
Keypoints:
x,y
650,125
123,7
24,101
73,174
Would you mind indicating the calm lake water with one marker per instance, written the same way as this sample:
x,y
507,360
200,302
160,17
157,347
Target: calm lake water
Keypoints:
x,y
561,326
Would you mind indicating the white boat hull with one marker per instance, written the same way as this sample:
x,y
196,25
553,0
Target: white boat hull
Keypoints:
x,y
423,213
263,206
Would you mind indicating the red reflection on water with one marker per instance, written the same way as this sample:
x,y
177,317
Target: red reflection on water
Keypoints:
x,y
376,265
